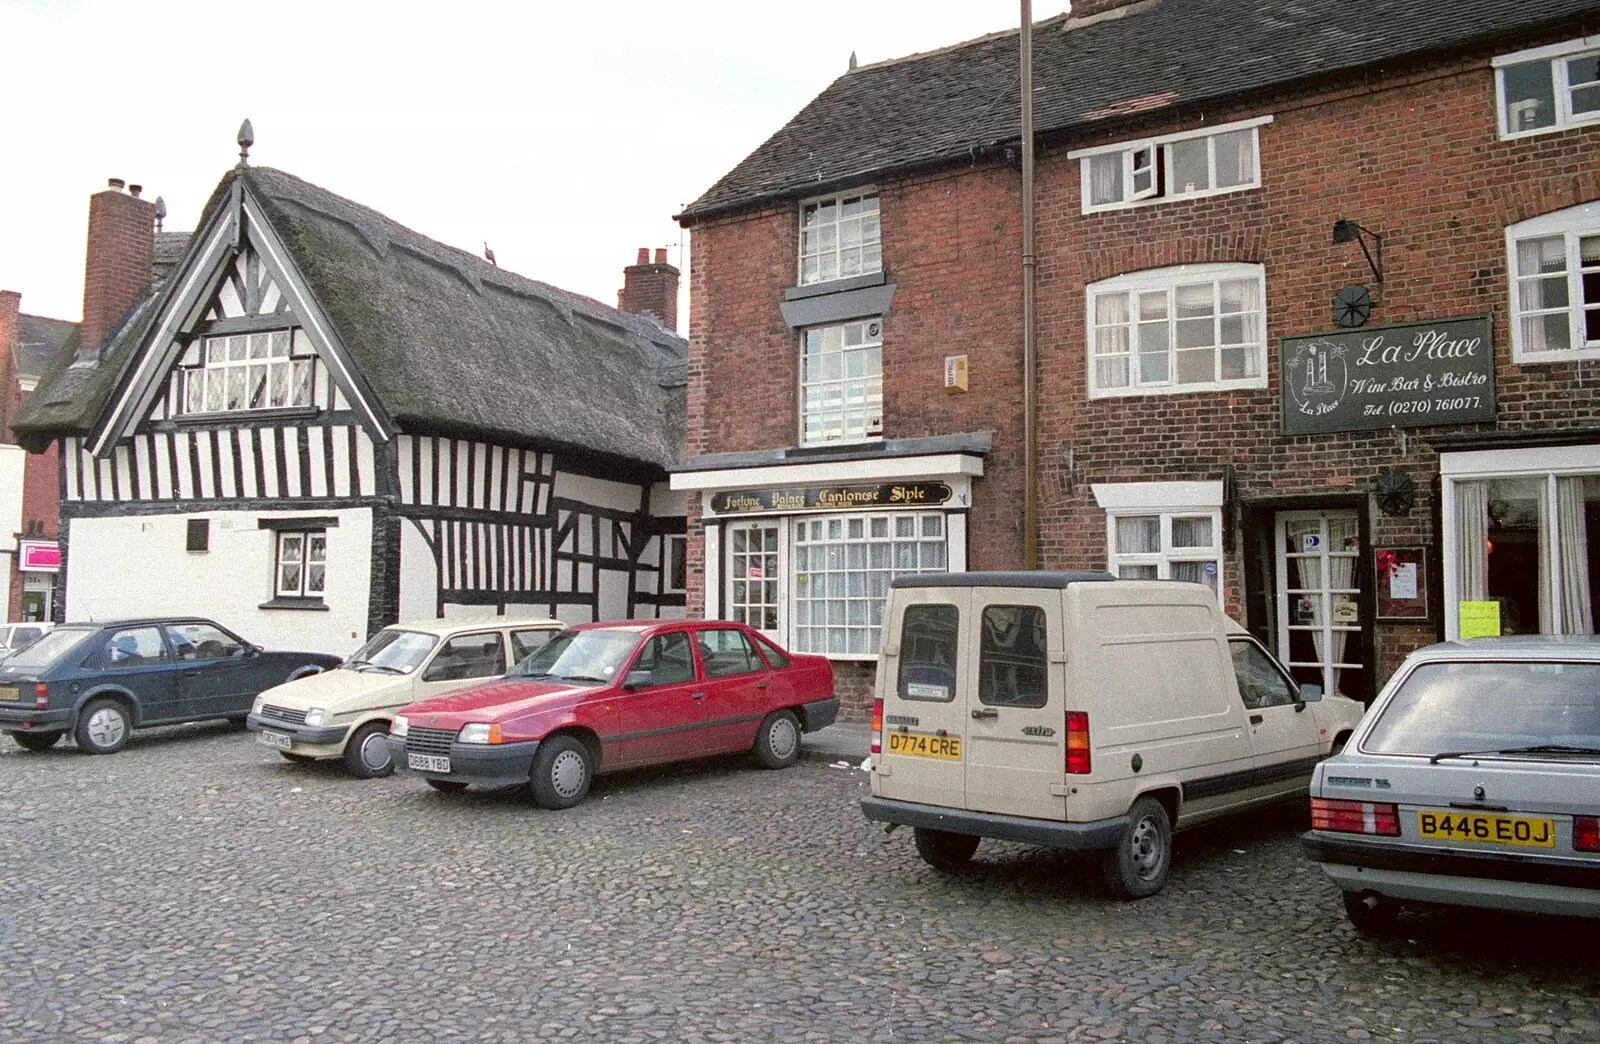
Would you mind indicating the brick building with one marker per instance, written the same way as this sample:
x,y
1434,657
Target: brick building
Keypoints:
x,y
1318,288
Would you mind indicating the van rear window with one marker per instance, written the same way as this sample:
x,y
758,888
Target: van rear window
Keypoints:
x,y
928,638
1011,657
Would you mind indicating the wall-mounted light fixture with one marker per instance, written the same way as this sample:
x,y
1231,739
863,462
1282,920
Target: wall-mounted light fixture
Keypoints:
x,y
1345,230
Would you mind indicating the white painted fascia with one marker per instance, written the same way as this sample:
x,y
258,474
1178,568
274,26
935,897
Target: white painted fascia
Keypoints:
x,y
1125,496
882,470
1529,460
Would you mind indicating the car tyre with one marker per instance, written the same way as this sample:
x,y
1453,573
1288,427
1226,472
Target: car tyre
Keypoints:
x,y
562,772
38,740
298,759
1138,866
238,722
1371,914
946,852
447,786
366,754
103,727
778,740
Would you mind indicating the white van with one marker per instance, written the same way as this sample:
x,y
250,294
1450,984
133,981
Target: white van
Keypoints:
x,y
1078,711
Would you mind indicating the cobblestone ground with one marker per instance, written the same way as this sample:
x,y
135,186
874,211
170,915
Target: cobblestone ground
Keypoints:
x,y
196,887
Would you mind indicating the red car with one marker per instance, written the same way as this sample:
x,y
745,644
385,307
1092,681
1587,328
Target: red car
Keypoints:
x,y
601,697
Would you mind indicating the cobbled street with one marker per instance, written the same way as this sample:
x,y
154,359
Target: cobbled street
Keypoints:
x,y
197,888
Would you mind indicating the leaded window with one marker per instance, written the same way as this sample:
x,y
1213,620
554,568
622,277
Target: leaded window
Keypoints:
x,y
247,372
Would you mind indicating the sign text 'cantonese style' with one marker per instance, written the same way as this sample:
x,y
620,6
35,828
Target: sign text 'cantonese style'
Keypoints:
x,y
1388,377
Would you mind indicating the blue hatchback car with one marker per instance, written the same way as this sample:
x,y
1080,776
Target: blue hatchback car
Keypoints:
x,y
100,681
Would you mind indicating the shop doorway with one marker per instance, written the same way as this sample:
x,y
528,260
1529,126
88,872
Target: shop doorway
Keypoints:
x,y
755,576
38,596
1319,603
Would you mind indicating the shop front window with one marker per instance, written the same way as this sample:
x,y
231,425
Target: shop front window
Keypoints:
x,y
842,568
1168,545
1530,545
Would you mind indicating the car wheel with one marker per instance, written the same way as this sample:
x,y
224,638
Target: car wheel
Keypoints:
x,y
944,851
778,740
103,727
447,786
1138,866
562,771
298,759
366,754
238,721
1371,914
37,740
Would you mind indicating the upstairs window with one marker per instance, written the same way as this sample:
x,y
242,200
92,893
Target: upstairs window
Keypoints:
x,y
247,372
1178,166
1191,328
1555,291
841,383
839,238
1548,88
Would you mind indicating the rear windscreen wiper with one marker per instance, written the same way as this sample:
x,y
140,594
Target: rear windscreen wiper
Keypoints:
x,y
1538,748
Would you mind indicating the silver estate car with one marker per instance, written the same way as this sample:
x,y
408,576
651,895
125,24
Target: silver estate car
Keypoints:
x,y
1473,780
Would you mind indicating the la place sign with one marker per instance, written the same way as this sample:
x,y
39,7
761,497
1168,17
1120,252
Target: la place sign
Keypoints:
x,y
1406,376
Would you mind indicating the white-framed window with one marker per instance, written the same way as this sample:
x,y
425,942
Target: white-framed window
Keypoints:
x,y
302,564
1164,531
1548,88
1519,527
1190,328
1176,166
842,567
841,382
840,237
1555,286
247,372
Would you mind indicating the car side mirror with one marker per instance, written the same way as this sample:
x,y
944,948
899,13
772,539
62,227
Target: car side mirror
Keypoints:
x,y
1310,692
636,680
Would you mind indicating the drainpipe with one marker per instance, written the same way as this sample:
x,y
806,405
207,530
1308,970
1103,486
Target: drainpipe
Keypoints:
x,y
1030,391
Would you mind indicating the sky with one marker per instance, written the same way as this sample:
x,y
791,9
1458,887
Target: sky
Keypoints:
x,y
563,135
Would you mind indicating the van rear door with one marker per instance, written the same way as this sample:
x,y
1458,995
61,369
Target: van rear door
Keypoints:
x,y
924,720
1016,732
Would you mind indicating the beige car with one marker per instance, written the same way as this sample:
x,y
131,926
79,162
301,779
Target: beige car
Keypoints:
x,y
345,712
1078,711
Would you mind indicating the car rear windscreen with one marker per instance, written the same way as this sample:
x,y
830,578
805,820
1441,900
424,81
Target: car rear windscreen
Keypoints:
x,y
1490,707
47,650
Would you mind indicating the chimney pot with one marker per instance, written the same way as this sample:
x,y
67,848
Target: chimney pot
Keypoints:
x,y
117,265
644,256
115,183
134,190
661,255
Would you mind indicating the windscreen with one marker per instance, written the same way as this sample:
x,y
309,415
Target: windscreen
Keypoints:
x,y
392,651
1491,707
47,650
591,656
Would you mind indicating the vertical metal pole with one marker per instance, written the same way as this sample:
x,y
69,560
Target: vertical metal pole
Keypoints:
x,y
1030,391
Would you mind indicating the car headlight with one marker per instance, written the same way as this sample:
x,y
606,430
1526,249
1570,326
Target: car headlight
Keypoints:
x,y
261,701
314,716
399,726
478,732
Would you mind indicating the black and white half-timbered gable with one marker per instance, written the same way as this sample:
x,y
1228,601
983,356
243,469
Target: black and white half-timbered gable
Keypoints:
x,y
325,422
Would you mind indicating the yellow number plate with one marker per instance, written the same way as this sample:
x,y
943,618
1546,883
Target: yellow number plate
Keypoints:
x,y
924,745
1495,830
9,692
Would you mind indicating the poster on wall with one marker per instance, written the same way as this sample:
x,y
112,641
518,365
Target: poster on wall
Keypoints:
x,y
1378,377
1402,583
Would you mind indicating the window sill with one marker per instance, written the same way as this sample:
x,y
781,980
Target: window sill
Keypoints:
x,y
1556,356
835,286
315,605
1573,123
199,420
1156,201
1254,384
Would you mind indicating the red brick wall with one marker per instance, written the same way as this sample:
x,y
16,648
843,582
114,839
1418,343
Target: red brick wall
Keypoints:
x,y
651,288
40,473
1416,158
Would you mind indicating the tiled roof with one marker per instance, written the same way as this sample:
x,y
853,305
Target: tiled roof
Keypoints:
x,y
949,105
38,342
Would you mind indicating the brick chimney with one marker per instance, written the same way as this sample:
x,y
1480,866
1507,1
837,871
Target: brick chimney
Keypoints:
x,y
651,288
116,273
10,334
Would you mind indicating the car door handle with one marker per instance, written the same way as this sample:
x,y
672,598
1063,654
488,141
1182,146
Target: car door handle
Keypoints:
x,y
697,695
985,712
1255,719
762,684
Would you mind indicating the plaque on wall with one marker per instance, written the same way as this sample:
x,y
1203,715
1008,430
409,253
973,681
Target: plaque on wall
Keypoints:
x,y
1402,583
1407,376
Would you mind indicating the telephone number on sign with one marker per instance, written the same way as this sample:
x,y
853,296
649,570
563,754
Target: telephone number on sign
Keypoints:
x,y
1465,402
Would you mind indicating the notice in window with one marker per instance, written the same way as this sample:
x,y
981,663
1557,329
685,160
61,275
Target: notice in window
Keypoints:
x,y
1480,619
1403,580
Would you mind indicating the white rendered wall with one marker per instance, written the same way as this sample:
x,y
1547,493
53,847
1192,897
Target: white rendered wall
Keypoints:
x,y
419,575
12,460
138,566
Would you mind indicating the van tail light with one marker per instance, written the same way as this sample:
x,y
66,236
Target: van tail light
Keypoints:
x,y
1077,743
1355,817
1586,833
877,726
41,696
